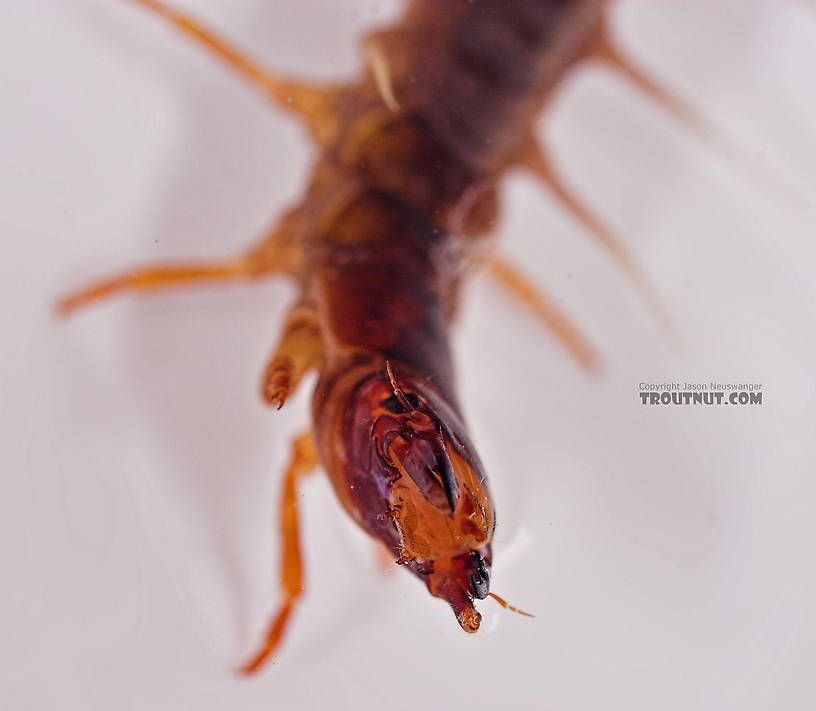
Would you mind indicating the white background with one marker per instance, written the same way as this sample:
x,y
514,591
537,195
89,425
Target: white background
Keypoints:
x,y
667,552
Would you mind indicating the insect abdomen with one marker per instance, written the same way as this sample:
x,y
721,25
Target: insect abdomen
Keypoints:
x,y
379,285
483,70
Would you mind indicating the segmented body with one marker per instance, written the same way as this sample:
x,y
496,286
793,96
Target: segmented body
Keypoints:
x,y
402,189
383,271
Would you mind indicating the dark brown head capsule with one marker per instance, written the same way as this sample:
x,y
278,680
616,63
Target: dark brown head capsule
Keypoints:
x,y
403,466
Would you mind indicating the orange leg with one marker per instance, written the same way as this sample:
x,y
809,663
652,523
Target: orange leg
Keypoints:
x,y
304,460
153,278
311,102
300,349
560,326
605,52
279,251
538,162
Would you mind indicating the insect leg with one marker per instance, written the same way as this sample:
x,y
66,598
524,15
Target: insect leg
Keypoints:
x,y
607,53
277,252
313,103
156,277
300,348
560,326
303,461
536,160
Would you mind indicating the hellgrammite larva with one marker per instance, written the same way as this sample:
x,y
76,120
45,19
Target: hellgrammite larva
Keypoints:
x,y
402,193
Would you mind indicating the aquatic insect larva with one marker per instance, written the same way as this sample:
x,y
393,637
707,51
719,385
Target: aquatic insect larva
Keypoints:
x,y
402,194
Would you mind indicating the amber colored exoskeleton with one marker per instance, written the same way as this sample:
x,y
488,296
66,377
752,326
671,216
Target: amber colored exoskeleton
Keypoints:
x,y
401,194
